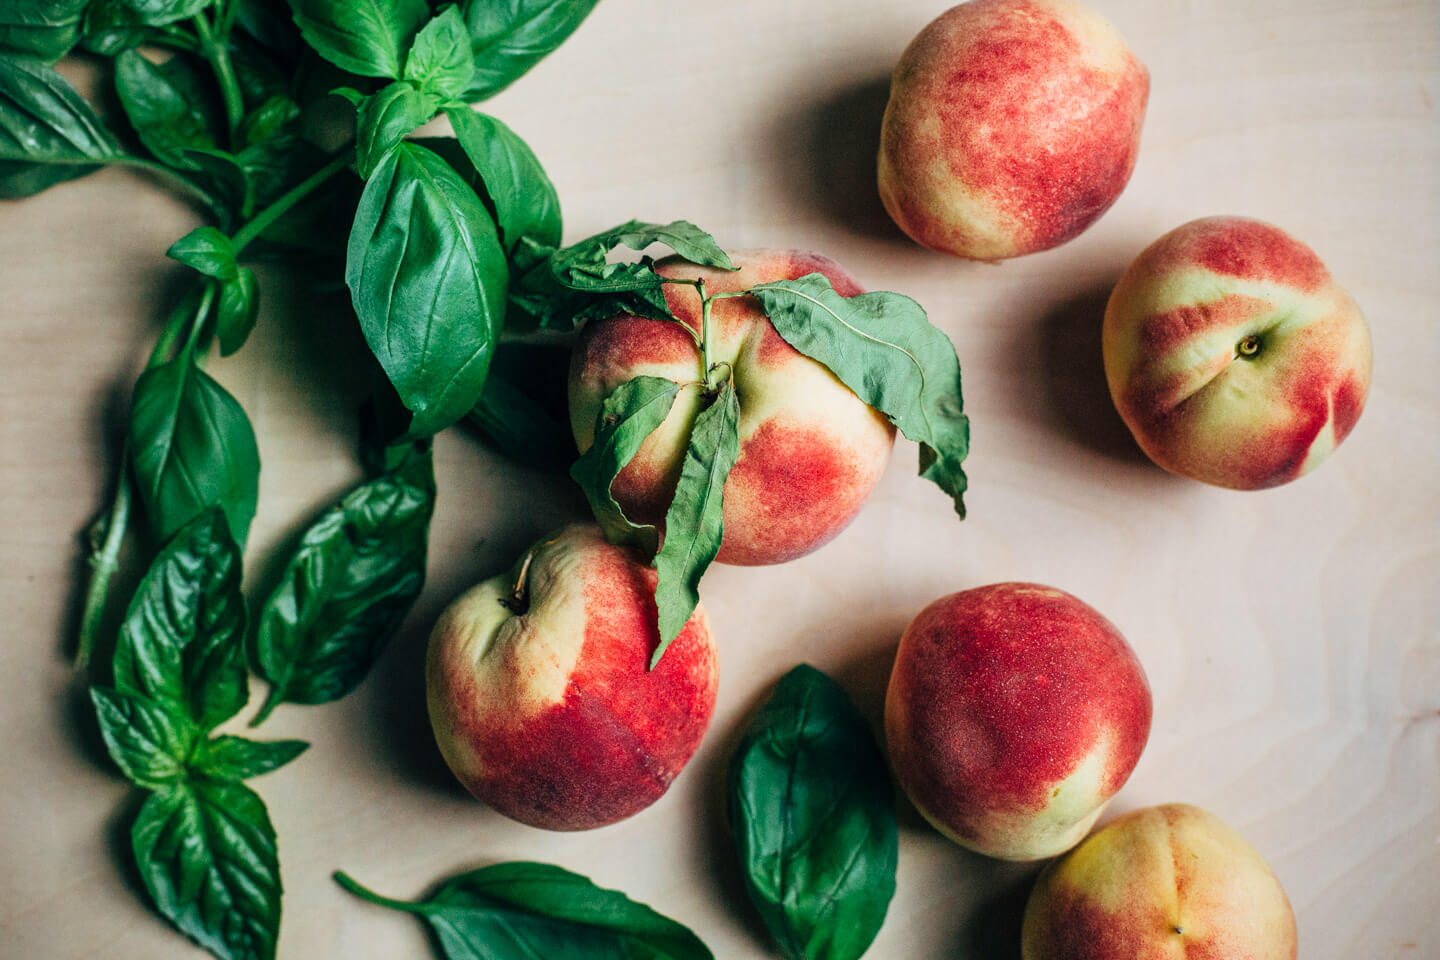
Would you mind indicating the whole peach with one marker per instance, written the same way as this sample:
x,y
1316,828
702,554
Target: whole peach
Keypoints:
x,y
1163,882
1012,126
810,449
1014,713
1233,356
539,694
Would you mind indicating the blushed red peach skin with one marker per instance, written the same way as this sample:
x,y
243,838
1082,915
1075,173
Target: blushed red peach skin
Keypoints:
x,y
810,449
550,715
1012,126
1233,356
1163,883
1014,712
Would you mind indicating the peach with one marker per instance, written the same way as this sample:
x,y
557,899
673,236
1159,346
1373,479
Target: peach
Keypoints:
x,y
539,692
1233,356
1014,713
810,449
1160,883
1012,126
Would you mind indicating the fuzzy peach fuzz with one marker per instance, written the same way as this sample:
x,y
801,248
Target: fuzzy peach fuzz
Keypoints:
x,y
1160,883
1012,126
810,449
1233,355
550,715
1014,713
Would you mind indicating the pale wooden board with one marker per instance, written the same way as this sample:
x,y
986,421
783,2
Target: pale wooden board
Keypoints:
x,y
1292,637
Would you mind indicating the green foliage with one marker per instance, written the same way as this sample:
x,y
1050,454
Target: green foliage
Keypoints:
x,y
368,37
384,119
440,63
48,133
44,29
508,37
520,194
166,104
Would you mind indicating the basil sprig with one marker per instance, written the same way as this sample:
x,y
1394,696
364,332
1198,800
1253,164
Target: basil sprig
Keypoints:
x,y
812,812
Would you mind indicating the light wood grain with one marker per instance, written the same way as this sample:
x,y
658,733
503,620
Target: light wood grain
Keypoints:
x,y
1292,637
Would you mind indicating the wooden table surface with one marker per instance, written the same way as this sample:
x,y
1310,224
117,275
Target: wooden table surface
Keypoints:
x,y
1292,637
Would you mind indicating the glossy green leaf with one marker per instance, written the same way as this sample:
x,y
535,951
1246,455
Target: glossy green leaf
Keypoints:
x,y
345,591
237,311
235,758
385,118
524,911
150,742
207,250
129,14
368,37
440,62
508,37
44,29
883,347
48,133
631,413
192,448
427,277
206,854
694,523
182,643
813,816
167,106
521,195
275,117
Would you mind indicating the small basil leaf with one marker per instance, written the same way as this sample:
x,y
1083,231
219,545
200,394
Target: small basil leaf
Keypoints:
x,y
631,413
45,29
235,758
440,62
206,853
44,121
521,911
351,582
368,37
509,38
207,250
148,741
385,118
193,448
110,27
164,104
238,309
182,643
882,346
813,816
275,117
694,523
223,176
521,195
427,277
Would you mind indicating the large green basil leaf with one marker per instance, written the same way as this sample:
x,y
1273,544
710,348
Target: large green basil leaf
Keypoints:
x,y
48,133
440,63
347,588
521,195
694,523
521,911
165,104
385,118
182,644
368,37
882,346
45,29
813,816
235,758
206,853
427,277
508,37
631,413
193,448
150,742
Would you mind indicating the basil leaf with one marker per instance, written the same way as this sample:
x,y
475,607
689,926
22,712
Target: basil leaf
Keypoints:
x,y
121,14
385,118
193,448
354,577
521,911
235,758
270,24
182,643
239,307
440,62
45,29
368,37
110,27
44,121
164,104
148,741
275,117
508,37
207,250
813,816
427,277
631,413
882,346
521,195
206,853
223,176
19,180
694,523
